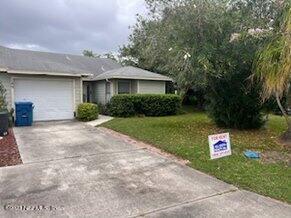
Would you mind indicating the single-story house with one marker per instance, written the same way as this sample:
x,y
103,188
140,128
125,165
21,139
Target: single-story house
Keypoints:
x,y
124,80
58,83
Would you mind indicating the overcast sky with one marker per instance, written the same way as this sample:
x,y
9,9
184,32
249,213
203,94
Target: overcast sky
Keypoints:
x,y
67,26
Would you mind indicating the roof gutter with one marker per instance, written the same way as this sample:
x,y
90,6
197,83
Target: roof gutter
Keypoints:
x,y
126,77
45,73
3,70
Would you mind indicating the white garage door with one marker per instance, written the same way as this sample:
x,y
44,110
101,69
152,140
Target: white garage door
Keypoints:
x,y
52,99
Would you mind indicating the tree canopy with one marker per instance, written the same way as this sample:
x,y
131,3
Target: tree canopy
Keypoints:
x,y
91,54
192,39
273,65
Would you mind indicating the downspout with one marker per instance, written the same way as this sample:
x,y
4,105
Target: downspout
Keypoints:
x,y
110,90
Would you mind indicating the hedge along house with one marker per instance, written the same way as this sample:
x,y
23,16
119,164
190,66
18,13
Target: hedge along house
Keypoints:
x,y
125,80
57,83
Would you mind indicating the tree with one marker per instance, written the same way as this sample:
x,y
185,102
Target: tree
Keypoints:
x,y
88,53
188,39
110,56
207,44
232,101
179,39
91,54
273,66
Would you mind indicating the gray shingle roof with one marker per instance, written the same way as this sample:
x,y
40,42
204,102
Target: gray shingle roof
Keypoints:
x,y
131,73
14,60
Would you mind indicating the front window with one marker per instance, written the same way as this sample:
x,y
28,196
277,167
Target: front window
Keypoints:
x,y
123,87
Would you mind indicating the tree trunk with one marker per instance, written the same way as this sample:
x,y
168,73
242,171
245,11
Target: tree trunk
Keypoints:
x,y
286,137
183,93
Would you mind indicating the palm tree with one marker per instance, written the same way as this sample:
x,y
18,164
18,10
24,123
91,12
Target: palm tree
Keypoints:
x,y
273,67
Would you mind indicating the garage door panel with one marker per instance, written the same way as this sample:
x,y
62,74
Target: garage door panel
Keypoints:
x,y
52,99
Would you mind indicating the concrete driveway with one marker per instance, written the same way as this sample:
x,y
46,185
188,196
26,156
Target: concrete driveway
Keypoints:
x,y
73,170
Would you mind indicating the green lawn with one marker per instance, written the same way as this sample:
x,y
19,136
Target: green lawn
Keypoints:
x,y
186,136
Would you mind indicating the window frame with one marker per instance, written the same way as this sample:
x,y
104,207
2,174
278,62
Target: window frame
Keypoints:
x,y
124,82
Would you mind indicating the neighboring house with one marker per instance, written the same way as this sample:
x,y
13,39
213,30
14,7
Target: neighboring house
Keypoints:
x,y
125,80
58,83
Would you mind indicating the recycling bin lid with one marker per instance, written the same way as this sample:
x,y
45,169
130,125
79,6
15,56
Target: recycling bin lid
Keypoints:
x,y
23,103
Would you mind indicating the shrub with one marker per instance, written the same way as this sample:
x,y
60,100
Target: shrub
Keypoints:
x,y
3,103
121,106
104,109
146,104
87,112
159,105
233,103
195,97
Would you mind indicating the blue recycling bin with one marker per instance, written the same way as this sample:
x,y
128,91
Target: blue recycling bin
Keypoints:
x,y
23,113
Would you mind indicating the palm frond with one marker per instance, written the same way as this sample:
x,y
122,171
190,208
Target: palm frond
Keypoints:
x,y
273,65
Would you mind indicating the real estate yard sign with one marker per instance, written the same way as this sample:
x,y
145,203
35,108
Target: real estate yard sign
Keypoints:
x,y
219,145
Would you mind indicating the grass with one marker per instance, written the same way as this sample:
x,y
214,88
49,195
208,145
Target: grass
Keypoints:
x,y
186,136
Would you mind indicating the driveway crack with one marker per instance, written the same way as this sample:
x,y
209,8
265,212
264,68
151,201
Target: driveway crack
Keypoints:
x,y
79,156
185,203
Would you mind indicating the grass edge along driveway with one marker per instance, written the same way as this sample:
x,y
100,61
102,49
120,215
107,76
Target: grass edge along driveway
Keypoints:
x,y
186,136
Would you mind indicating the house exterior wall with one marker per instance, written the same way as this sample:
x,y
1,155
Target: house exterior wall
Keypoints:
x,y
99,92
142,87
151,87
78,91
101,95
134,86
7,81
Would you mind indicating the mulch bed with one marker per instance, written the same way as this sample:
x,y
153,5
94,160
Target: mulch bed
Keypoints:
x,y
9,153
